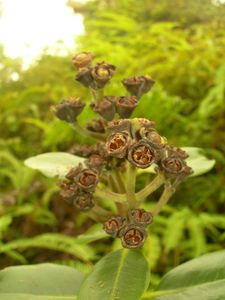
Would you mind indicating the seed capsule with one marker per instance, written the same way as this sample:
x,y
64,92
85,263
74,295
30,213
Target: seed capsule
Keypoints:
x,y
82,59
96,125
126,105
114,225
69,109
138,85
133,236
141,154
105,108
140,216
68,191
87,180
84,201
117,144
153,137
85,78
173,165
177,152
101,74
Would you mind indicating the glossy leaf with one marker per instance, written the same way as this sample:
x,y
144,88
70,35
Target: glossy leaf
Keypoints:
x,y
199,163
54,164
202,278
123,274
39,282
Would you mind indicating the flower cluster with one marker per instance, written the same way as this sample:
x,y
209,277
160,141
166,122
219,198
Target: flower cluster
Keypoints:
x,y
123,144
130,230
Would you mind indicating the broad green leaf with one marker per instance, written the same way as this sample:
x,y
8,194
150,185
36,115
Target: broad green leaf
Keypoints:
x,y
54,164
202,278
39,282
121,275
199,163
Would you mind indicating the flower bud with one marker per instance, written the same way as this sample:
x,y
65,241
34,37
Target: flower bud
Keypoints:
x,y
82,59
133,236
153,137
101,74
140,216
141,154
126,105
96,126
105,108
87,180
173,165
138,85
117,144
114,225
69,109
84,201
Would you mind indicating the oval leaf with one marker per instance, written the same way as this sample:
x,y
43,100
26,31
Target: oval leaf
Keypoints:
x,y
199,163
54,164
202,278
123,274
41,282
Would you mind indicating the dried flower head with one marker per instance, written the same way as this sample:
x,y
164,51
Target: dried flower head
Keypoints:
x,y
173,165
133,236
138,85
69,109
106,108
84,201
126,105
140,216
87,180
114,225
153,137
82,59
141,154
117,144
101,74
96,125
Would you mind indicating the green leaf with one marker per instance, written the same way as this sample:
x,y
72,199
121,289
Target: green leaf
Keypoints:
x,y
202,278
54,164
199,163
39,282
121,275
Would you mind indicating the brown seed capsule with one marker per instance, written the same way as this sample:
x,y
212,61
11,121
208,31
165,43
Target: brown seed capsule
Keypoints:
x,y
82,59
85,78
173,165
114,225
96,126
177,152
133,236
96,162
117,144
141,154
145,123
87,180
73,172
83,150
126,105
68,191
69,109
153,137
140,216
119,126
84,201
101,74
138,85
105,108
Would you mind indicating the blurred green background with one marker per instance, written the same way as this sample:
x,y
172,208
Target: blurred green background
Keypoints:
x,y
181,44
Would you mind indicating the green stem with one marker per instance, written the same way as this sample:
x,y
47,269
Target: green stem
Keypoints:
x,y
150,188
166,195
130,185
97,95
99,214
84,131
106,194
